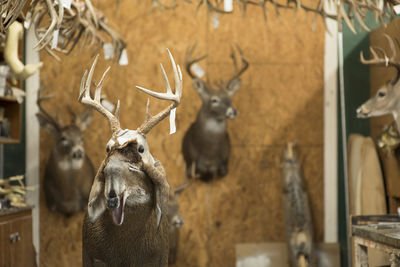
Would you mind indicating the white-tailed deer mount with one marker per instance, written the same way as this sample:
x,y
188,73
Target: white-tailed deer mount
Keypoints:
x,y
131,184
387,99
298,221
206,144
175,221
69,172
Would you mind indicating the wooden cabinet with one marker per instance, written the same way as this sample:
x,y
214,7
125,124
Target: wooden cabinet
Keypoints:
x,y
16,247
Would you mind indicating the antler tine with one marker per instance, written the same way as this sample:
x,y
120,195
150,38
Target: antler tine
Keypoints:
x,y
152,121
39,100
244,62
189,62
384,60
84,97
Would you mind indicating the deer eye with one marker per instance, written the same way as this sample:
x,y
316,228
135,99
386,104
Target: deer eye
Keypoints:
x,y
141,149
108,149
381,94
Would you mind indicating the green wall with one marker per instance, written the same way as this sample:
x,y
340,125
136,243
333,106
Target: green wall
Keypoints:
x,y
356,91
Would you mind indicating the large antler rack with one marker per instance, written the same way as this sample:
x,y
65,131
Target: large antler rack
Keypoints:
x,y
383,59
152,121
79,22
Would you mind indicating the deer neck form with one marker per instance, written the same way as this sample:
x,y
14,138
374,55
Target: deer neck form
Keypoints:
x,y
209,124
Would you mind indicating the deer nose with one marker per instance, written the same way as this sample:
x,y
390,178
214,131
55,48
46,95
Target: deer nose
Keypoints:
x,y
77,154
231,113
112,200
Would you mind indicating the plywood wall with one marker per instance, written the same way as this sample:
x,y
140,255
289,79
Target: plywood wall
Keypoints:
x,y
281,100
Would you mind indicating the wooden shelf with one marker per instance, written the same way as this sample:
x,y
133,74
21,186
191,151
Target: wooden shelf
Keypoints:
x,y
5,140
8,99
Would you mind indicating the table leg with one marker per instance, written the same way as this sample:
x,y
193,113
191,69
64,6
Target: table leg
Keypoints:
x,y
361,255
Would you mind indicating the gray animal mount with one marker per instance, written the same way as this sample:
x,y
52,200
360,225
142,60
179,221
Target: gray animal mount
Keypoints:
x,y
131,185
175,222
206,144
299,232
69,172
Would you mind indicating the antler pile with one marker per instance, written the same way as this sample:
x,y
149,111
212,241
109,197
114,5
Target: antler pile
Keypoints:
x,y
10,10
79,22
347,10
14,193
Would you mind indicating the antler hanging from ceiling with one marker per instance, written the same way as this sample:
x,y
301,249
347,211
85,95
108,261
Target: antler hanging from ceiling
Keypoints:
x,y
67,26
349,11
10,10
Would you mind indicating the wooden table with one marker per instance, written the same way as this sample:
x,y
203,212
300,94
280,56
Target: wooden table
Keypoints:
x,y
380,232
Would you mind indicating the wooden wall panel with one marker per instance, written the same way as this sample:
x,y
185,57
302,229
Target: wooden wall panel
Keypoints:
x,y
281,100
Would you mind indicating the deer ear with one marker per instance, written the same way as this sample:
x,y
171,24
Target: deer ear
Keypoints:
x,y
84,119
233,86
200,88
97,201
47,125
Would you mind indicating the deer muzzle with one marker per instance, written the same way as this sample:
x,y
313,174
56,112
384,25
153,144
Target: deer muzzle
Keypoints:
x,y
231,113
362,112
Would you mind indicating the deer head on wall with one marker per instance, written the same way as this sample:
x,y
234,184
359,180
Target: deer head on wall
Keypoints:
x,y
131,184
206,144
387,98
69,171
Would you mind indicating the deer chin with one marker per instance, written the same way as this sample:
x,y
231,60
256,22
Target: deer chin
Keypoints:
x,y
118,213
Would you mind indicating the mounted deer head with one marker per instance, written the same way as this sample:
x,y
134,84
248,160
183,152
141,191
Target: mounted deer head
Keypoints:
x,y
132,185
68,174
206,144
387,99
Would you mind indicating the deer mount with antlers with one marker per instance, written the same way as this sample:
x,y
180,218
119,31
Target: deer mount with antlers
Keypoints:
x,y
69,171
206,144
387,99
132,185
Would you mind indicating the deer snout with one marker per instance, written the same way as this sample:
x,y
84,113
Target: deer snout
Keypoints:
x,y
177,221
362,112
231,113
78,153
112,200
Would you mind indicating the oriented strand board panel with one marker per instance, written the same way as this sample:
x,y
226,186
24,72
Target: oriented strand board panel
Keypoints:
x,y
281,100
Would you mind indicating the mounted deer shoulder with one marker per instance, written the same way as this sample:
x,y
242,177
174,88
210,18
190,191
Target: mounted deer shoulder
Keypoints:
x,y
132,185
69,172
19,70
387,99
206,144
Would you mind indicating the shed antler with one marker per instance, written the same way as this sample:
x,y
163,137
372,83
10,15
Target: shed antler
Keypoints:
x,y
84,98
383,60
152,121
